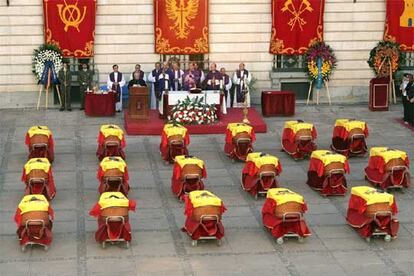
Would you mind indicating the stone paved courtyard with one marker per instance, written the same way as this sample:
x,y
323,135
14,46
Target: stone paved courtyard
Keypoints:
x,y
158,246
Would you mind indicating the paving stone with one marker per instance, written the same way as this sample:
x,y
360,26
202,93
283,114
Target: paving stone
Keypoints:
x,y
158,246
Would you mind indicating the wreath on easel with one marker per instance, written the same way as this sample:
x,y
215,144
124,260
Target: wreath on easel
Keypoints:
x,y
320,58
321,62
385,58
47,62
46,53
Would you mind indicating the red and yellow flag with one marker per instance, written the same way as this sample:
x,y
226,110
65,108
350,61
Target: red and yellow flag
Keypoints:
x,y
181,26
399,23
296,24
70,24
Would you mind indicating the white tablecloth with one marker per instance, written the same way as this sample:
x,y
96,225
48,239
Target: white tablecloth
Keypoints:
x,y
210,97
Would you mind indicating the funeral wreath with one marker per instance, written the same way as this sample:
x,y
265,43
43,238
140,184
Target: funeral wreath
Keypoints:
x,y
327,61
385,58
193,111
46,53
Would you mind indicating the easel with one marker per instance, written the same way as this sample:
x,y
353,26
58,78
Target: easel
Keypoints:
x,y
49,73
392,96
318,92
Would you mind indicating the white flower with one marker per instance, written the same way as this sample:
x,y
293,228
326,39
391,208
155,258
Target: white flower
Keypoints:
x,y
46,55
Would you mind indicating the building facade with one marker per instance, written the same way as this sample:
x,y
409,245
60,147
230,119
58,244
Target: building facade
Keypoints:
x,y
239,32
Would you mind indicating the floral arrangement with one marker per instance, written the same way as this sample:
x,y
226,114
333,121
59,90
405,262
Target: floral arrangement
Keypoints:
x,y
193,111
323,51
383,55
46,52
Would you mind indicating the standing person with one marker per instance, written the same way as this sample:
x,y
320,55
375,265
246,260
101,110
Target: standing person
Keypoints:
x,y
213,78
138,76
410,97
192,77
241,79
65,79
404,97
153,79
115,83
165,78
136,80
226,82
189,80
199,73
177,83
85,77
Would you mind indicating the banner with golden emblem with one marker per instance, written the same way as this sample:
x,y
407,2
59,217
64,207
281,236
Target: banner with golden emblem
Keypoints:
x,y
296,24
181,26
70,24
399,23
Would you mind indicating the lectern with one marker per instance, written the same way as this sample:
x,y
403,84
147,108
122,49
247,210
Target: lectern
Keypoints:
x,y
138,103
378,94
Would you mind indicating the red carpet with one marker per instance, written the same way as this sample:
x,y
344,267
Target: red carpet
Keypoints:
x,y
401,121
155,124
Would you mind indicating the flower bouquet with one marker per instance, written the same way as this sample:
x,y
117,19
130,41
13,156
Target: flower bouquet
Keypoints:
x,y
193,111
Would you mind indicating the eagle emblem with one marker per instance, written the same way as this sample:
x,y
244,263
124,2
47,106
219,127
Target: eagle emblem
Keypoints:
x,y
181,15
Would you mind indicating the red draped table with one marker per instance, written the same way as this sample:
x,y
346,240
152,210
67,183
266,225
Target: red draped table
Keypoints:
x,y
278,103
100,104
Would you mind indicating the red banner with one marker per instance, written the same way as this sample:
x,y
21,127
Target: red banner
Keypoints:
x,y
399,23
181,26
296,24
70,24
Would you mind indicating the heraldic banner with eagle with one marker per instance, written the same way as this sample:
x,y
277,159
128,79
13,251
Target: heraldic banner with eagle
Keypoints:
x,y
181,26
399,23
296,24
70,24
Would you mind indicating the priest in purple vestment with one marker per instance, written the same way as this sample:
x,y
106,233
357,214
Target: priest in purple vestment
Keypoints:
x,y
213,78
191,78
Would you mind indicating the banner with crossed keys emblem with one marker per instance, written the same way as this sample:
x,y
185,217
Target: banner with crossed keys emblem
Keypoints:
x,y
70,24
296,24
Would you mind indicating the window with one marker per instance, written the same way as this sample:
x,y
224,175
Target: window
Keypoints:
x,y
407,62
185,60
289,63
